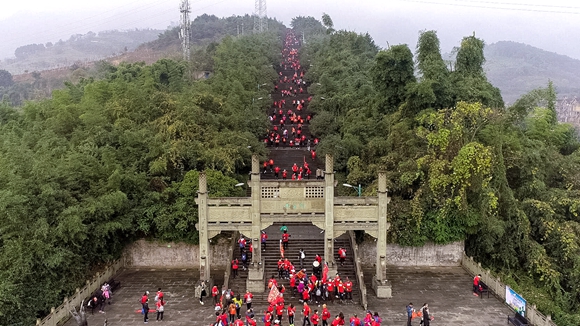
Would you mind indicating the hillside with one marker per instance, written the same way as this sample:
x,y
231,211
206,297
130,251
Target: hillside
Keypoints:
x,y
517,68
79,48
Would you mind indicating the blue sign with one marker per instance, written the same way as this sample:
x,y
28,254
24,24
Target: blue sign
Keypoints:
x,y
514,300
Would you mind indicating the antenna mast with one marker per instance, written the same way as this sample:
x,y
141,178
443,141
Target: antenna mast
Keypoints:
x,y
260,14
184,34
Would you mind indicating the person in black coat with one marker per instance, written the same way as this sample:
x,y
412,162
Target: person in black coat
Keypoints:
x,y
426,316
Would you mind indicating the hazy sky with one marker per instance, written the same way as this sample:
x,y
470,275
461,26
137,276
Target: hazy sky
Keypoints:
x,y
551,25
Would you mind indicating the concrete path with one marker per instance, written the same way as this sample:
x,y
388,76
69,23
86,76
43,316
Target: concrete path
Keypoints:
x,y
447,290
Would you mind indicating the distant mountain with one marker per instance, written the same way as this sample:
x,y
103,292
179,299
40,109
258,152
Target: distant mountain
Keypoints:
x,y
517,68
78,48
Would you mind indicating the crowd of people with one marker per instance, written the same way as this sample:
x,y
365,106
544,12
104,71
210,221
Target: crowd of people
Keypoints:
x,y
289,116
159,305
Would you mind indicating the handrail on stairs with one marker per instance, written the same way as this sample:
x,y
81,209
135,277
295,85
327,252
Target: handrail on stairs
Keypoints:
x,y
358,270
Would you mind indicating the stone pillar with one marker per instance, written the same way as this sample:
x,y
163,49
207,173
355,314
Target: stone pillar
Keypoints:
x,y
380,284
204,251
256,218
329,214
255,281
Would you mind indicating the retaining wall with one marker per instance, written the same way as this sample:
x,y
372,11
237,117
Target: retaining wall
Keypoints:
x,y
428,255
144,253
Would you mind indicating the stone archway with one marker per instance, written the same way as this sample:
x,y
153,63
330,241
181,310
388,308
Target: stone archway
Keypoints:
x,y
309,200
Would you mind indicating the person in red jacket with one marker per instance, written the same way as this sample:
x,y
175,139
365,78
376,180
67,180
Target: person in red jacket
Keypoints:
x,y
248,299
267,319
330,289
313,153
235,266
224,317
340,288
294,169
476,284
355,321
284,174
315,318
306,314
215,294
277,172
339,320
348,289
341,255
291,311
285,239
265,165
305,295
250,320
325,315
279,311
238,322
271,162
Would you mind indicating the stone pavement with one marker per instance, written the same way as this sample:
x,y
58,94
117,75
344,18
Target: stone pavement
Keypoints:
x,y
446,289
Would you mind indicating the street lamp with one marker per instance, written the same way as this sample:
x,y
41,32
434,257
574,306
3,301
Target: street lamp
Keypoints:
x,y
358,189
264,84
254,99
239,184
323,98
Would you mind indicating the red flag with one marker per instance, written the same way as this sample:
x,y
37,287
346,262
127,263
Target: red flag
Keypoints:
x,y
274,293
325,273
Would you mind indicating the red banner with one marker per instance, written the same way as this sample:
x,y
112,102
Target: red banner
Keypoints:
x,y
325,273
274,293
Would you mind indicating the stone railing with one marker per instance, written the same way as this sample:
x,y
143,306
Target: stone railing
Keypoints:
x,y
535,317
62,312
358,270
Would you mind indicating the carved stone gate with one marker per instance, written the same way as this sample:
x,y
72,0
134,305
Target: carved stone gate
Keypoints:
x,y
279,201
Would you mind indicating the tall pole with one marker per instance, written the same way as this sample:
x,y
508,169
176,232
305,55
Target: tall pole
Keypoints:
x,y
185,34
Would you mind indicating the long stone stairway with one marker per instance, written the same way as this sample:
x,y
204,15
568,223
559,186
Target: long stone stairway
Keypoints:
x,y
285,156
303,234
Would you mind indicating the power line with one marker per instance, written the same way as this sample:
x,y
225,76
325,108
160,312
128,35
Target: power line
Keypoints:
x,y
520,4
493,7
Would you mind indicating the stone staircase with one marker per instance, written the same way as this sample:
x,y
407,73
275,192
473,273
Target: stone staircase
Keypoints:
x,y
309,238
284,156
238,284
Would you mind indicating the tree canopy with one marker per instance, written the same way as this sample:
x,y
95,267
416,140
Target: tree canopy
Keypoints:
x,y
460,165
107,161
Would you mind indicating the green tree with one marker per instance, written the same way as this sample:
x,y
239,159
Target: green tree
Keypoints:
x,y
392,72
6,78
433,90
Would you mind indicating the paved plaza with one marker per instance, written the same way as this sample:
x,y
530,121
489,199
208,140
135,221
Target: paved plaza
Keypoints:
x,y
446,289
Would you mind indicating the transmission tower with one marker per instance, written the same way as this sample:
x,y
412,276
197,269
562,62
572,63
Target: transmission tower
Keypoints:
x,y
185,34
260,14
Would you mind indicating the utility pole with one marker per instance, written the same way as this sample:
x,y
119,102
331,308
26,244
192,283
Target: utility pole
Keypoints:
x,y
185,34
260,14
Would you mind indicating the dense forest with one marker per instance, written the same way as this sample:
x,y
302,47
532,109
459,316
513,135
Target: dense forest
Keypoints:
x,y
107,161
461,165
114,158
